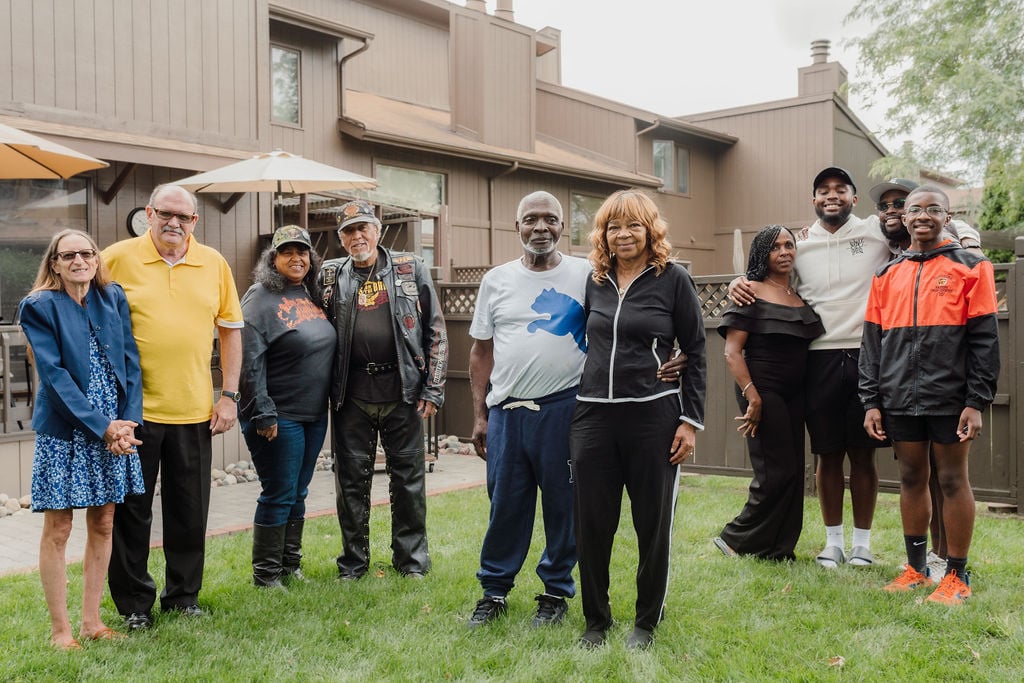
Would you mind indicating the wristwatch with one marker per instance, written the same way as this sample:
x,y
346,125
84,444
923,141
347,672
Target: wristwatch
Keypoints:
x,y
233,395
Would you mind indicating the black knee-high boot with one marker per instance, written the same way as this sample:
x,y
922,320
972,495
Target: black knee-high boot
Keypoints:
x,y
267,548
292,555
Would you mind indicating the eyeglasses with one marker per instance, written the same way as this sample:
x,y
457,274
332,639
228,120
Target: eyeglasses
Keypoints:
x,y
185,218
934,210
69,256
896,204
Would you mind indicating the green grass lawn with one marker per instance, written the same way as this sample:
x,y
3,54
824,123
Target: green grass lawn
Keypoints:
x,y
726,620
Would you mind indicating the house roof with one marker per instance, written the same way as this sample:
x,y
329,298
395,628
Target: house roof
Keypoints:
x,y
112,145
642,115
785,104
382,120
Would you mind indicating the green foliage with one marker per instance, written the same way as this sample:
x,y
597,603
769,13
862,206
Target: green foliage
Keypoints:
x,y
726,620
1002,204
953,69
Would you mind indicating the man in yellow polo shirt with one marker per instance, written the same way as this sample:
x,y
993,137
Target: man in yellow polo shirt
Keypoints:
x,y
179,292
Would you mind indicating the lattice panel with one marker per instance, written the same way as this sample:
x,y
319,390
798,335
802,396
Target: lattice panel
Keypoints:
x,y
469,273
714,298
458,301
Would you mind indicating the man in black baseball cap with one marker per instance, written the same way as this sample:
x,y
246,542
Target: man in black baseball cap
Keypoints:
x,y
834,172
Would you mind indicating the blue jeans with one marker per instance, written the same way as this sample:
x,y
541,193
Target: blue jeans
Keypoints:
x,y
285,466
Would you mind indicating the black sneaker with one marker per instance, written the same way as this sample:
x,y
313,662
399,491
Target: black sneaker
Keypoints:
x,y
138,621
550,610
487,609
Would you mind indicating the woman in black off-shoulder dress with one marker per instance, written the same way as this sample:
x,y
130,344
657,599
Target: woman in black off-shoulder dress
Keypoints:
x,y
766,350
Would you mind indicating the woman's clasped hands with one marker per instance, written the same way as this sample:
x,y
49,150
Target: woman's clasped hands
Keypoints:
x,y
120,437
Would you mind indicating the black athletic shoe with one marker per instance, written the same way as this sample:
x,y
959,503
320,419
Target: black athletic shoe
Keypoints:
x,y
138,621
550,610
487,609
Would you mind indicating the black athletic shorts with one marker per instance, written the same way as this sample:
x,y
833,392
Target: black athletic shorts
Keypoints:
x,y
934,428
834,414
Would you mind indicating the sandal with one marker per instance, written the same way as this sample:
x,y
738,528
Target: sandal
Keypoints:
x,y
67,647
831,557
107,633
861,557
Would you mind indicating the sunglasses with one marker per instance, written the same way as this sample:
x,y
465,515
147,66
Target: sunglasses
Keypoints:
x,y
69,256
185,218
896,204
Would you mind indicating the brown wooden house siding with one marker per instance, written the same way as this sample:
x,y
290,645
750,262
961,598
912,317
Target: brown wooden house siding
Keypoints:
x,y
602,132
118,64
766,176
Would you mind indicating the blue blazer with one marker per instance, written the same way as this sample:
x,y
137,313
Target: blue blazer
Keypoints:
x,y
58,330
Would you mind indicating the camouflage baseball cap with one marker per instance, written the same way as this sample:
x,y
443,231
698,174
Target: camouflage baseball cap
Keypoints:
x,y
290,234
358,211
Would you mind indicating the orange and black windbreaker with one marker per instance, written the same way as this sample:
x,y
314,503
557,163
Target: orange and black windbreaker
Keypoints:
x,y
930,344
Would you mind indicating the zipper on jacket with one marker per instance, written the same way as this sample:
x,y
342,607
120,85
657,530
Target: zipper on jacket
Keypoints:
x,y
621,296
916,347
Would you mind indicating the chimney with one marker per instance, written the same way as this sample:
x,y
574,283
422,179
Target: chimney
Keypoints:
x,y
504,10
478,5
822,76
819,51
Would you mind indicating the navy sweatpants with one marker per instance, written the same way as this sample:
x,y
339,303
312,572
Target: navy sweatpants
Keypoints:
x,y
528,449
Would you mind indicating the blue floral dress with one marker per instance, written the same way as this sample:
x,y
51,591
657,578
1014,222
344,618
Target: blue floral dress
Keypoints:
x,y
81,472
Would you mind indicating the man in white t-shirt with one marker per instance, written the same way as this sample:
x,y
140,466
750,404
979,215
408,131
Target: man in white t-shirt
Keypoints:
x,y
525,364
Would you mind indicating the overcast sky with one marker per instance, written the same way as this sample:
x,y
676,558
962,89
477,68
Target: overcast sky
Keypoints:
x,y
722,53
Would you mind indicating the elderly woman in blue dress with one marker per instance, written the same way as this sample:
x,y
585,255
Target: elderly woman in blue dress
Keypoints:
x,y
287,349
87,407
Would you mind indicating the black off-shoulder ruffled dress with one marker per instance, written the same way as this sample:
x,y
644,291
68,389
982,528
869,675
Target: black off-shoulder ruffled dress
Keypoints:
x,y
776,353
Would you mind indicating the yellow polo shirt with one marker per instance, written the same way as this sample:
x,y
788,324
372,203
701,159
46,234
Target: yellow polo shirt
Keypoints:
x,y
174,312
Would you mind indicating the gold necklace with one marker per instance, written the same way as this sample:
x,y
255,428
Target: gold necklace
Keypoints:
x,y
788,290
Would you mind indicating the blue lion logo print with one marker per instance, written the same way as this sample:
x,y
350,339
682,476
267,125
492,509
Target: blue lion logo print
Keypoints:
x,y
565,316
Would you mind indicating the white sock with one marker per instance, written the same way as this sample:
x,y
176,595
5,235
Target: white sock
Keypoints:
x,y
834,536
861,537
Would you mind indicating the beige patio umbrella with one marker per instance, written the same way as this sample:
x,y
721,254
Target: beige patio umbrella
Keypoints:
x,y
23,155
278,172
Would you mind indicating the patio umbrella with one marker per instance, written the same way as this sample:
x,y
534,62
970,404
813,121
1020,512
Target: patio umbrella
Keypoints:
x,y
23,155
278,172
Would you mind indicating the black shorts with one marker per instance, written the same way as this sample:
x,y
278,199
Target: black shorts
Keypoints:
x,y
834,413
934,428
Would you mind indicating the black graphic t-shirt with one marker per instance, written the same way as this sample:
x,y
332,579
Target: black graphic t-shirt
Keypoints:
x,y
373,341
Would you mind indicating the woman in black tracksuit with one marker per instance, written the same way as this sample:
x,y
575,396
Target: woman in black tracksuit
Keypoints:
x,y
628,429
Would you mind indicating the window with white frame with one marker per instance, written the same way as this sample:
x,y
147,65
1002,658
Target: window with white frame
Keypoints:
x,y
285,78
672,165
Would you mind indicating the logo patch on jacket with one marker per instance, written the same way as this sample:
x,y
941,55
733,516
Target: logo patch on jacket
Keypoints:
x,y
857,246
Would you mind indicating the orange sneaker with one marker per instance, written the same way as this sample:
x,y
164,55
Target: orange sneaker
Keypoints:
x,y
908,580
953,590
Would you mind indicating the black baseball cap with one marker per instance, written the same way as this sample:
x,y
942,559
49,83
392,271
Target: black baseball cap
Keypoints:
x,y
833,172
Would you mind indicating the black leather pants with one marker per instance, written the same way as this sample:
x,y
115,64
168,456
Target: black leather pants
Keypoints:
x,y
356,426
